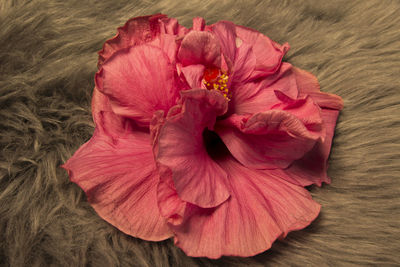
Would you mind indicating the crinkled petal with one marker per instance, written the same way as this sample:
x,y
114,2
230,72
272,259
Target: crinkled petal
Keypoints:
x,y
107,122
226,34
260,209
139,80
136,31
167,43
171,26
198,179
198,24
306,110
100,102
308,85
114,126
258,96
200,47
193,75
270,139
171,206
245,62
268,53
120,180
312,168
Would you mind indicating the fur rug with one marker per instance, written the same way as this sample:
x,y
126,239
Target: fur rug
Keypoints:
x,y
47,64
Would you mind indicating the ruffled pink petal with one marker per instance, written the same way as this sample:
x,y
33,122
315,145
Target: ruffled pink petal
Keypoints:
x,y
198,179
268,53
100,102
198,24
171,206
244,64
120,180
167,43
114,126
226,34
193,75
200,47
308,85
171,26
270,139
260,209
306,110
258,96
238,54
107,122
136,31
312,168
139,80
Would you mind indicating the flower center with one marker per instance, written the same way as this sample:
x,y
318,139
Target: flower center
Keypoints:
x,y
214,79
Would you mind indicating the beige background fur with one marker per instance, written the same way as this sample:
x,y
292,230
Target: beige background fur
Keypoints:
x,y
47,63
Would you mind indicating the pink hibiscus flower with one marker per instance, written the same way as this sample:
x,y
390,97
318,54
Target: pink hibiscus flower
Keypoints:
x,y
204,135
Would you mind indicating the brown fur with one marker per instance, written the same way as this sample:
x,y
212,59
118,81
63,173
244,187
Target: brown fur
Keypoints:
x,y
47,64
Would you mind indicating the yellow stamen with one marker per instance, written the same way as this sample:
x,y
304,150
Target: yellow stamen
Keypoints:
x,y
218,83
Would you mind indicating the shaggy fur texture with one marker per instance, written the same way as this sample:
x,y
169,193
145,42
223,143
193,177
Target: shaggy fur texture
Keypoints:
x,y
47,64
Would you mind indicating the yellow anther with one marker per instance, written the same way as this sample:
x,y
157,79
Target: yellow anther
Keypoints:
x,y
217,82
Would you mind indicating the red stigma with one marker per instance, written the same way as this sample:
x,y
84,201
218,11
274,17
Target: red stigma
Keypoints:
x,y
210,74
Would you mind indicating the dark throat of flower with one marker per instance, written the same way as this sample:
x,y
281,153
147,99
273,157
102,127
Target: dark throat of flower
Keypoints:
x,y
214,145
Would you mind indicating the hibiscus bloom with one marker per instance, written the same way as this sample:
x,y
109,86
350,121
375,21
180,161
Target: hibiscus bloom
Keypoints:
x,y
204,135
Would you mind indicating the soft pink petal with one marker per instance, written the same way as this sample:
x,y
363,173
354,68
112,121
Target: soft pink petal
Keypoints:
x,y
306,110
193,75
260,209
312,168
240,58
171,26
107,122
139,80
120,180
267,140
268,53
258,96
114,126
199,47
167,43
100,102
226,34
305,122
198,24
171,206
244,64
136,31
198,179
308,85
